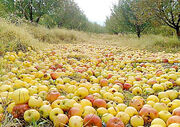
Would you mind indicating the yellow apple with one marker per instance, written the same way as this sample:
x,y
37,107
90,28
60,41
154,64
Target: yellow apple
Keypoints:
x,y
106,117
153,98
60,120
45,110
75,121
164,115
121,107
20,96
113,110
85,102
178,81
160,107
54,113
82,92
35,102
158,121
131,111
124,117
101,111
136,121
88,110
31,115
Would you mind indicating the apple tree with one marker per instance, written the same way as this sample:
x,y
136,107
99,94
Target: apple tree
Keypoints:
x,y
167,11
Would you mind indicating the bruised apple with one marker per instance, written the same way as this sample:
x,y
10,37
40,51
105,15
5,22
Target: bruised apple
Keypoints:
x,y
136,104
18,110
148,114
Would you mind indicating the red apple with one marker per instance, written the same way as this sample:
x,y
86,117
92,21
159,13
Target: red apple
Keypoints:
x,y
19,109
53,67
159,73
176,112
92,120
120,84
126,86
74,111
99,103
58,66
142,65
175,67
136,104
54,75
148,114
138,78
104,82
165,60
109,76
115,122
173,119
52,95
90,98
1,117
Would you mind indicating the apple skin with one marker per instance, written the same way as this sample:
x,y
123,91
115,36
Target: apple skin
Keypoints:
x,y
1,117
31,115
160,107
54,75
173,119
165,60
45,110
54,113
90,98
75,121
52,95
21,96
127,86
103,82
19,109
124,117
35,102
136,121
115,122
164,115
176,112
148,114
92,120
82,92
159,121
99,103
61,120
136,104
74,111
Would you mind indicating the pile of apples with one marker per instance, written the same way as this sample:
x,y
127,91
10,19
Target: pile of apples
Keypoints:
x,y
91,85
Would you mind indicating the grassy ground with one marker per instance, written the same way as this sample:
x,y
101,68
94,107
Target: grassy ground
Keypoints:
x,y
19,37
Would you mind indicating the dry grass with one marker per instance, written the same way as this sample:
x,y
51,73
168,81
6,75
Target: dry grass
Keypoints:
x,y
153,43
19,37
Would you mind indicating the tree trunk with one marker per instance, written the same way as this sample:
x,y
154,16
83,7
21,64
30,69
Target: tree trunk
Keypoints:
x,y
38,19
138,34
178,32
138,31
31,11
